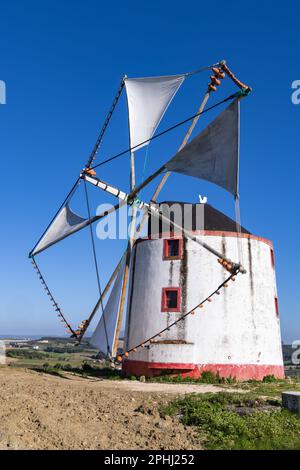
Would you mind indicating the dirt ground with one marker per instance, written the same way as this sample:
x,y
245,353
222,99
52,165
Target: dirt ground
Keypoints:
x,y
39,411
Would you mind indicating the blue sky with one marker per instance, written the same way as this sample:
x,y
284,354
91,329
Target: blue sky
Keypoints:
x,y
62,62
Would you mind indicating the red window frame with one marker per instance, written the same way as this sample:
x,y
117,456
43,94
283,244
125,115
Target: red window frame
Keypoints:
x,y
276,307
272,258
164,307
166,249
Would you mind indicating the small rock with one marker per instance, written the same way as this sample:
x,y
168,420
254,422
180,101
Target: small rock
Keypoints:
x,y
142,378
167,418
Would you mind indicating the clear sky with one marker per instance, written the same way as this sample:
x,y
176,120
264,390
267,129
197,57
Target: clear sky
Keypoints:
x,y
62,62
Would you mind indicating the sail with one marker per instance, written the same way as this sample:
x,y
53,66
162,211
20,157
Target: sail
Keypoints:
x,y
103,337
213,154
65,223
148,100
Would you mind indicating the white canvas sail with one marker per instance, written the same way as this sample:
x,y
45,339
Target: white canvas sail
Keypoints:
x,y
103,337
213,154
65,223
148,99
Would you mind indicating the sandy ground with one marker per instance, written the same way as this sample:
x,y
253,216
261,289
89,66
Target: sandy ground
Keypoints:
x,y
39,411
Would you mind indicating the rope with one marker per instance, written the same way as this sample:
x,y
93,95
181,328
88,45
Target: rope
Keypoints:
x,y
105,125
203,69
96,266
145,165
54,303
190,312
235,95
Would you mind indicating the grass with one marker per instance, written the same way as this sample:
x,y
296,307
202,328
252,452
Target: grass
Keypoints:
x,y
207,377
238,421
267,389
36,359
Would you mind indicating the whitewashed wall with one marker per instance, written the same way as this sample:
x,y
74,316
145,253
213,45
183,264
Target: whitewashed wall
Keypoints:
x,y
239,327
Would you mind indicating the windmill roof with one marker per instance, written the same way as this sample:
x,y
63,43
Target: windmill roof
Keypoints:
x,y
214,220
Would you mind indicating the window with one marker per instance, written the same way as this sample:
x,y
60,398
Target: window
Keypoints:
x,y
171,299
172,249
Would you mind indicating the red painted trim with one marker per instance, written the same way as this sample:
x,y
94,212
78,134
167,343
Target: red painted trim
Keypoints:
x,y
209,233
166,249
164,307
171,365
237,371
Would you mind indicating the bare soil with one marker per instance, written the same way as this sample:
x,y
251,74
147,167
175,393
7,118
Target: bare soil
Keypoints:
x,y
39,411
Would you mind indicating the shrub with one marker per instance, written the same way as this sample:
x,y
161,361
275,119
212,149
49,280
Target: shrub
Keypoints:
x,y
209,377
269,378
58,365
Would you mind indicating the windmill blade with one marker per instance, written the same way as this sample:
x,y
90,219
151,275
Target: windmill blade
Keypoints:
x,y
67,223
104,335
86,323
213,154
148,99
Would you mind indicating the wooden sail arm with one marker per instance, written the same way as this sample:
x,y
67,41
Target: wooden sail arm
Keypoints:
x,y
116,192
231,75
183,144
153,210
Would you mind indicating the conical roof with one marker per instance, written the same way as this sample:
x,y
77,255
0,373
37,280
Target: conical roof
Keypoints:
x,y
213,220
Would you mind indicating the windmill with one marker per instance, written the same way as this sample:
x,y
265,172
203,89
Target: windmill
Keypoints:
x,y
161,333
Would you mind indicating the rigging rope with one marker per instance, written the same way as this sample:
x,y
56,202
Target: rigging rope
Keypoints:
x,y
190,312
104,127
203,69
54,303
130,149
96,266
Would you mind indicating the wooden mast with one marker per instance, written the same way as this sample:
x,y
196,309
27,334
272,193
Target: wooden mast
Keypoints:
x,y
133,220
128,257
182,145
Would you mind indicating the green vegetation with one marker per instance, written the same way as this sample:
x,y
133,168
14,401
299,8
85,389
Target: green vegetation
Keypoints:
x,y
25,354
238,421
207,377
56,350
267,388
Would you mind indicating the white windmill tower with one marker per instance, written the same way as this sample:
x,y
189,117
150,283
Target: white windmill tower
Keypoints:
x,y
237,334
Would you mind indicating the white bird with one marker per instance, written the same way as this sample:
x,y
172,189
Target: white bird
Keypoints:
x,y
203,200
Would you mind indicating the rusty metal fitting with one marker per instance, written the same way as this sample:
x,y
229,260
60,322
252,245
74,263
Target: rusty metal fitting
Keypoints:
x,y
215,80
89,171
